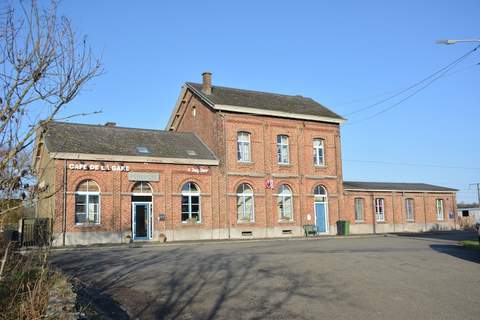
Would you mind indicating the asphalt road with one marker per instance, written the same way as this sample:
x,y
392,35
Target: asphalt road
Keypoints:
x,y
394,277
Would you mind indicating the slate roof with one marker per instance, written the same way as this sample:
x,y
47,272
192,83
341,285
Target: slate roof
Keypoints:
x,y
393,186
264,100
107,140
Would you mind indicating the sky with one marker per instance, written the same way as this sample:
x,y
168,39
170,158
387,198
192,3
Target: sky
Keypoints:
x,y
344,54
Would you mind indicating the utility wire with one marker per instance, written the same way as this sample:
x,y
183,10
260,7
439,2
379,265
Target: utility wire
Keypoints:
x,y
440,71
413,164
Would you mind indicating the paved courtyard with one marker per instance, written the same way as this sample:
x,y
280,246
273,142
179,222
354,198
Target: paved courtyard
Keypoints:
x,y
393,277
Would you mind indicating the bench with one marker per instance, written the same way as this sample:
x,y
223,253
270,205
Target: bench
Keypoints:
x,y
310,229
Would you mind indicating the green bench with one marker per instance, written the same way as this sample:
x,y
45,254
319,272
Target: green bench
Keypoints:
x,y
310,229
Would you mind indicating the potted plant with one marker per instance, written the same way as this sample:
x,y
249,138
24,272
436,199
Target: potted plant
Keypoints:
x,y
162,237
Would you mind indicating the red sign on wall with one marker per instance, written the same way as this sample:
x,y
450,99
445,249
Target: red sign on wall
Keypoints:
x,y
269,184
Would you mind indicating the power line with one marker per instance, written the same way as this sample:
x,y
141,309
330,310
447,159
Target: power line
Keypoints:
x,y
441,71
413,164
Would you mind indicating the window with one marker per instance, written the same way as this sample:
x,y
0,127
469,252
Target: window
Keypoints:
x,y
380,209
284,204
87,203
245,203
409,209
190,203
318,157
243,146
320,194
439,206
143,150
142,187
359,205
282,149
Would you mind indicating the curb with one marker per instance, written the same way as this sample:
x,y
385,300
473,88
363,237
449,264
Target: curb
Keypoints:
x,y
207,242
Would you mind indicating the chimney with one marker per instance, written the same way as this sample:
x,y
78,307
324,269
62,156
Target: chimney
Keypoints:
x,y
207,82
110,124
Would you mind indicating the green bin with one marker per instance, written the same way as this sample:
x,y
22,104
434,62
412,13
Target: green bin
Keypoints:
x,y
346,228
343,228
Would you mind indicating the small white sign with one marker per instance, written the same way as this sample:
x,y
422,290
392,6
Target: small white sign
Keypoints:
x,y
309,217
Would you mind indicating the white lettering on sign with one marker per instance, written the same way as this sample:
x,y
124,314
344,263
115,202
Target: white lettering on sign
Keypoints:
x,y
198,169
97,167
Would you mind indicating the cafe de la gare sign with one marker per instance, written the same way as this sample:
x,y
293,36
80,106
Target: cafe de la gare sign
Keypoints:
x,y
97,167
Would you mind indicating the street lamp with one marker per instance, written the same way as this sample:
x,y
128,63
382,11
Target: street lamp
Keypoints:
x,y
447,42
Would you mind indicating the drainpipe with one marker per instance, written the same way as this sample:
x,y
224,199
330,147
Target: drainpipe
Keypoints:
x,y
374,222
393,209
226,172
424,213
64,217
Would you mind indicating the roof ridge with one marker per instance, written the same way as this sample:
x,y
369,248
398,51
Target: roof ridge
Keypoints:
x,y
118,127
363,181
256,91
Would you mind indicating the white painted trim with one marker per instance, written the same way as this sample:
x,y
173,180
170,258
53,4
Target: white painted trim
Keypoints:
x,y
151,219
274,113
121,158
177,106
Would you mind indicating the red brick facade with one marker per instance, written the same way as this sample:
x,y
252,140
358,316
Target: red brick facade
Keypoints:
x,y
218,186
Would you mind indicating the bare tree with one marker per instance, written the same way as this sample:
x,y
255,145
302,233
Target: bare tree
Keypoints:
x,y
43,67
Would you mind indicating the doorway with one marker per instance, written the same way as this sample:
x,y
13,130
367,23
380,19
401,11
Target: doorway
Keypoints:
x,y
142,220
321,209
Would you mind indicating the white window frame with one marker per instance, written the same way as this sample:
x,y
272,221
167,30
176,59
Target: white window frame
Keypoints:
x,y
439,209
87,195
244,140
283,149
319,152
362,207
380,209
410,209
189,195
243,196
284,193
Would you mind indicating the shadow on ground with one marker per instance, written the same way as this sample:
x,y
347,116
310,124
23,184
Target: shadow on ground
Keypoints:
x,y
457,251
184,284
442,235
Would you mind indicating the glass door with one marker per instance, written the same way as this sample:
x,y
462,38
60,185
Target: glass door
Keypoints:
x,y
142,220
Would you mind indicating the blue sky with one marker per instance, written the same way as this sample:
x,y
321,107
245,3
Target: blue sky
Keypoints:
x,y
335,52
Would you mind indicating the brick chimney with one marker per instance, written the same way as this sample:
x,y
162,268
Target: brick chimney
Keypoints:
x,y
207,82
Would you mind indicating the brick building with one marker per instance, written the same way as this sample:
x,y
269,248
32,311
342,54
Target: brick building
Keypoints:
x,y
231,164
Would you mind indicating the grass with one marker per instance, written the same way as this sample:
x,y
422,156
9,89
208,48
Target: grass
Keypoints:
x,y
472,244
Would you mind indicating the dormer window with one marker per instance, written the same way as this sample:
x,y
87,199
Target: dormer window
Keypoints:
x,y
143,150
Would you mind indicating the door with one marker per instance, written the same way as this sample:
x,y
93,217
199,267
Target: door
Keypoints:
x,y
141,220
321,217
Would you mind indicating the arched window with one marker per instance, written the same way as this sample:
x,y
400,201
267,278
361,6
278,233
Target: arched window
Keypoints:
x,y
282,149
191,203
142,187
245,203
243,146
320,194
87,203
318,152
285,202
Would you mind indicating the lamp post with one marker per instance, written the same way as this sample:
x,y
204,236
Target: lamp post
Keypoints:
x,y
447,42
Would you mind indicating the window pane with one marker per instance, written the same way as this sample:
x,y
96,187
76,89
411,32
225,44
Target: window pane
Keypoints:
x,y
240,208
288,211
185,216
359,209
195,216
248,207
195,199
195,208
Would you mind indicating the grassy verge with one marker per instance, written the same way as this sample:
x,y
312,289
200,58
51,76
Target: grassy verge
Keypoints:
x,y
472,244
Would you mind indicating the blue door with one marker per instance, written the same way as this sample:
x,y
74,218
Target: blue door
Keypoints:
x,y
320,213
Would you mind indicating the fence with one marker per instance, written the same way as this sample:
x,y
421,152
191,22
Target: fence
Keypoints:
x,y
36,232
